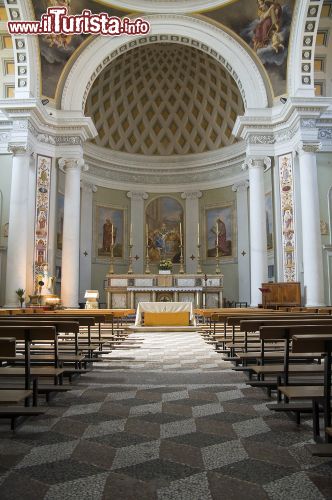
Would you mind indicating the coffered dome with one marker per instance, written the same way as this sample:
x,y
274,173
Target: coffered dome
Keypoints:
x,y
164,99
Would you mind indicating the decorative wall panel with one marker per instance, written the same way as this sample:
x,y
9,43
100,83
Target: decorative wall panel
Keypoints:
x,y
43,187
286,175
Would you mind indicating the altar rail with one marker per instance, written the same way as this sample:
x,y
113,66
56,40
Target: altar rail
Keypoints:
x,y
126,291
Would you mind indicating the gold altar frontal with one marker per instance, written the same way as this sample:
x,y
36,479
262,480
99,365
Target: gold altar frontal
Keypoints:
x,y
126,291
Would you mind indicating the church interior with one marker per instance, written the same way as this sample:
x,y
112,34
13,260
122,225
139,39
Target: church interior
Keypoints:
x,y
166,253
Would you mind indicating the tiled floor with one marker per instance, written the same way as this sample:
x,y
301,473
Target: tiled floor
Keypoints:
x,y
163,419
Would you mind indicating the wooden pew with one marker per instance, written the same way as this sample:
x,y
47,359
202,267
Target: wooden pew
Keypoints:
x,y
322,343
28,335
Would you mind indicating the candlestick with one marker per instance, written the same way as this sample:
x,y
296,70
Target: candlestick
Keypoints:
x,y
130,267
180,233
198,234
181,270
131,235
199,269
147,234
111,268
147,258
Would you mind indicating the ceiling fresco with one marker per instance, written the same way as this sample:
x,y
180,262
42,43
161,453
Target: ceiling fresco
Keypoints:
x,y
263,25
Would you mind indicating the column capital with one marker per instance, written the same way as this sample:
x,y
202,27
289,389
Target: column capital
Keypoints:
x,y
19,149
88,187
240,187
257,162
191,195
308,147
66,164
137,195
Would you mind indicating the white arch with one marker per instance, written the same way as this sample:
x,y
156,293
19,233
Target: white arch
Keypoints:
x,y
302,48
175,29
26,53
166,6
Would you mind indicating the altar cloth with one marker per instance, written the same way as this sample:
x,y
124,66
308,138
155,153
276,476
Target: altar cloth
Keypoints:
x,y
164,307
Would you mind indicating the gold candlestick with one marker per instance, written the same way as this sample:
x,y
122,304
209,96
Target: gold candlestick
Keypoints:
x,y
218,270
111,268
199,269
147,258
130,258
181,270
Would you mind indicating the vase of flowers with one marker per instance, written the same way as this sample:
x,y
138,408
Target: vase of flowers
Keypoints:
x,y
20,293
165,267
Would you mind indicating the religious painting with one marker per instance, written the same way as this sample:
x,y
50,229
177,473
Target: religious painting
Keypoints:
x,y
269,220
60,205
165,230
265,26
56,49
220,231
109,230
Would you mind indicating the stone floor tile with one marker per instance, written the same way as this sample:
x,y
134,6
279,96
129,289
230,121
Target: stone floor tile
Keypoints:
x,y
295,486
254,471
94,453
17,486
82,409
221,454
104,428
177,428
90,488
250,427
146,409
136,454
207,409
47,454
195,487
228,488
122,487
181,453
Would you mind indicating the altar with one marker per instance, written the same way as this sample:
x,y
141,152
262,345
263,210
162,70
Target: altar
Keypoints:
x,y
127,291
161,308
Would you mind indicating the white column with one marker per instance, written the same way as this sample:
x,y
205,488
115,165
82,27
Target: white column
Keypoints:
x,y
30,284
71,232
18,224
137,220
312,247
191,229
86,237
243,256
258,239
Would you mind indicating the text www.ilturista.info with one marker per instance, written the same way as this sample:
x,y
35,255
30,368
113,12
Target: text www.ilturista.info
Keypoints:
x,y
57,21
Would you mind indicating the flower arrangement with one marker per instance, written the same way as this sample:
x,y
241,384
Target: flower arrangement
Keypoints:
x,y
165,265
20,293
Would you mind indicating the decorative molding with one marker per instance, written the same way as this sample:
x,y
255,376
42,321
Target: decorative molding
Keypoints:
x,y
263,162
87,187
309,147
191,195
325,134
19,149
240,187
137,195
72,164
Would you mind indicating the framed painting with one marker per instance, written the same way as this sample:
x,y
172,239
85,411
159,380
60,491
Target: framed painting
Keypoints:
x,y
220,229
109,224
269,220
60,203
164,223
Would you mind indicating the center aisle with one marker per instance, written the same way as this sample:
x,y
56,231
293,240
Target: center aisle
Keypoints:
x,y
163,418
